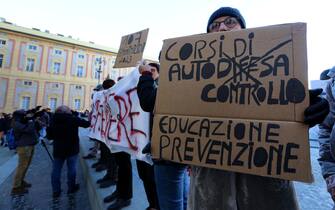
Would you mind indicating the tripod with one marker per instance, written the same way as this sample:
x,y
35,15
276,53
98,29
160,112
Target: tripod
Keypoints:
x,y
46,148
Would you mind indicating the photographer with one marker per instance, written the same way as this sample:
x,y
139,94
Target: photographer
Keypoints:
x,y
63,130
26,136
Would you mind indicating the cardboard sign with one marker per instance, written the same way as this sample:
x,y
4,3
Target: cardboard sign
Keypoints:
x,y
118,119
131,49
235,101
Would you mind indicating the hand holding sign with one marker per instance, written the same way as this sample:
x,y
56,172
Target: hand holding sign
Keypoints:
x,y
144,68
318,109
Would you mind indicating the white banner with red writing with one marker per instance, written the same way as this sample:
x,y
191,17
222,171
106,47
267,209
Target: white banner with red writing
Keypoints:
x,y
118,120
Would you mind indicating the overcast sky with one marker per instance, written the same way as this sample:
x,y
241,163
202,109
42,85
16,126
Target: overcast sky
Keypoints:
x,y
106,21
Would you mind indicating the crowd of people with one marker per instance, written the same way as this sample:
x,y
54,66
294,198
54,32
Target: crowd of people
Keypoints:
x,y
5,130
168,185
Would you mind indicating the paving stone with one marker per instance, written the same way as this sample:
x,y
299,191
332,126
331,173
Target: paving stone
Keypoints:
x,y
40,194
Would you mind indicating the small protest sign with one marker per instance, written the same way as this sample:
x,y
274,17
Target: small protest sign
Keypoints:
x,y
131,49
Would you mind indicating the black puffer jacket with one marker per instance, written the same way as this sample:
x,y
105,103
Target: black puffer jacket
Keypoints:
x,y
64,131
146,91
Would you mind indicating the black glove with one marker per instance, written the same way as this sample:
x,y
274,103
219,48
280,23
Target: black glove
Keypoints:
x,y
318,108
75,113
147,149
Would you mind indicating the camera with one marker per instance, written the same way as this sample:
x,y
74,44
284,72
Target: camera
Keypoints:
x,y
25,116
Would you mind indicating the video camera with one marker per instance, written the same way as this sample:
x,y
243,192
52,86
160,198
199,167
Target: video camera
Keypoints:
x,y
33,113
25,116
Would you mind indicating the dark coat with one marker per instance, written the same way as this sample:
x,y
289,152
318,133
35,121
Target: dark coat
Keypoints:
x,y
64,131
25,133
2,124
327,135
146,91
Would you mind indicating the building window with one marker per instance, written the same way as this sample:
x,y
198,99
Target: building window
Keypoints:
x,y
76,104
1,60
56,68
30,64
97,74
55,85
32,47
2,42
80,71
27,83
25,104
58,52
99,63
53,104
81,56
78,87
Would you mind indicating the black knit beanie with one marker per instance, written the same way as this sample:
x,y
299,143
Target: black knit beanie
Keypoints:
x,y
226,11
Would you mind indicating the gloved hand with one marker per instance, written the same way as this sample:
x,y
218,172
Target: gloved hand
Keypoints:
x,y
331,186
147,149
317,110
75,113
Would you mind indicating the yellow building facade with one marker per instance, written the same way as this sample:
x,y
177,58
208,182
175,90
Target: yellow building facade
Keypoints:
x,y
40,68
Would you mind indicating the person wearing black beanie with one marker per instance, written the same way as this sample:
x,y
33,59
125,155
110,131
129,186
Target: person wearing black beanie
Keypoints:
x,y
220,189
229,12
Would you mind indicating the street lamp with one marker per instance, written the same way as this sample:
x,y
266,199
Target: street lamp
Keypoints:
x,y
99,61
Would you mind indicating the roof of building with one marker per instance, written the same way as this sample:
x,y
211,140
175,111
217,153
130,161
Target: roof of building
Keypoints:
x,y
56,37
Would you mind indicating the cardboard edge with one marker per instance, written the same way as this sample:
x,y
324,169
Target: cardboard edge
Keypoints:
x,y
300,45
258,28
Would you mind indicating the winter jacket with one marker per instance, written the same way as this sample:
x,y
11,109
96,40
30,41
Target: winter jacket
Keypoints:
x,y
64,131
213,189
146,91
327,135
330,95
25,133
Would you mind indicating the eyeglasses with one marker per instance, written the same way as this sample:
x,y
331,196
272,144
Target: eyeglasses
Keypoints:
x,y
229,22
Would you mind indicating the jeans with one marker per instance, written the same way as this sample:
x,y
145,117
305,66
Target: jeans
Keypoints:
x,y
57,171
172,183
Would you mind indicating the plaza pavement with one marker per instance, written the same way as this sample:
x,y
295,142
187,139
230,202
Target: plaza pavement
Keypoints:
x,y
310,196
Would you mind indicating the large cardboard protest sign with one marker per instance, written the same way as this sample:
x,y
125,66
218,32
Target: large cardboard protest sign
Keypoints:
x,y
235,101
118,120
131,49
